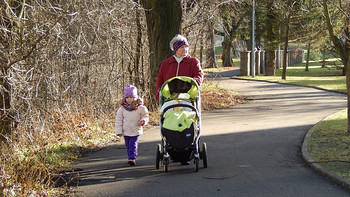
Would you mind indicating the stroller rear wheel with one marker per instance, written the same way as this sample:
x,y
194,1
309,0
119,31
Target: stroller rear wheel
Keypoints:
x,y
158,155
203,154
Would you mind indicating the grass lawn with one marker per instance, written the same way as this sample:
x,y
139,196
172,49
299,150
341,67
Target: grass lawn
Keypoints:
x,y
329,78
330,143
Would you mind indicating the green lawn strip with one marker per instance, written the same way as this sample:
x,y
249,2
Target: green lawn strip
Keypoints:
x,y
329,144
328,78
334,83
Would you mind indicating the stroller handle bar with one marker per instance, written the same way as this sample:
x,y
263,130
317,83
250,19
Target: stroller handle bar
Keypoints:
x,y
181,105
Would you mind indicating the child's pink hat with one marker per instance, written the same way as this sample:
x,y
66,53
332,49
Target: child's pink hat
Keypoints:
x,y
130,91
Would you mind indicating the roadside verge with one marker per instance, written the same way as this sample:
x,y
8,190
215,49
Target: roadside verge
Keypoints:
x,y
317,167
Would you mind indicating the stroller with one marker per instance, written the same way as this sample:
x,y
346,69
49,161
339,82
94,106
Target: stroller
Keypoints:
x,y
180,123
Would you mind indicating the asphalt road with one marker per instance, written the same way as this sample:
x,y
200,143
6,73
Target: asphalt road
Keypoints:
x,y
253,150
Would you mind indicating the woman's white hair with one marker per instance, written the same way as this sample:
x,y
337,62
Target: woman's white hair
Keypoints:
x,y
177,37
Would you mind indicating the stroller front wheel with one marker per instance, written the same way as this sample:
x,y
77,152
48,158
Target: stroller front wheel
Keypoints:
x,y
166,164
196,162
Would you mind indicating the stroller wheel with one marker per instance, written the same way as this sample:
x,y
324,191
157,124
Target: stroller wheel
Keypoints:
x,y
158,155
203,155
166,164
196,161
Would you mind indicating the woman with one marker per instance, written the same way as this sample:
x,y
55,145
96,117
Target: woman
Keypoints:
x,y
179,64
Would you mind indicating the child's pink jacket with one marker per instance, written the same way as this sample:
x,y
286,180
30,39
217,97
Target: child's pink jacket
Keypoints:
x,y
126,122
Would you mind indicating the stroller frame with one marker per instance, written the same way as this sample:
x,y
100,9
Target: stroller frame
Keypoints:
x,y
167,151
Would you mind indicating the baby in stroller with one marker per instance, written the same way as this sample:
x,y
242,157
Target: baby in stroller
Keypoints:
x,y
179,99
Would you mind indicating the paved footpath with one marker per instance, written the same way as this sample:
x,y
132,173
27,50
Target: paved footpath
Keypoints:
x,y
253,150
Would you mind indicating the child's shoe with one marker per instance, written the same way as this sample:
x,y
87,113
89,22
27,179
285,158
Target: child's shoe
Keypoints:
x,y
132,162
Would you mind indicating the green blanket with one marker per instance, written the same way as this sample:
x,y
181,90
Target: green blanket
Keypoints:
x,y
178,120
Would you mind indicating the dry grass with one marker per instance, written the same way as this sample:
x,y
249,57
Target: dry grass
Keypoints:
x,y
33,156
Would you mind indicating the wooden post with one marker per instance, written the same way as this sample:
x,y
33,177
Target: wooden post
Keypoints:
x,y
245,63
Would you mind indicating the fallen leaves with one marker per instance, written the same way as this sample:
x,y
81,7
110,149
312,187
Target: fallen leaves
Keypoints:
x,y
219,99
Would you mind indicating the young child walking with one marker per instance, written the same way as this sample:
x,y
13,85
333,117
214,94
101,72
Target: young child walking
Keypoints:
x,y
130,119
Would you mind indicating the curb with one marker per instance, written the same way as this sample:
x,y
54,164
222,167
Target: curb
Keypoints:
x,y
317,167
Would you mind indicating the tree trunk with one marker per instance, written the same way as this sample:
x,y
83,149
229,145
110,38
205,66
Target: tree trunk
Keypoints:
x,y
323,51
5,120
347,66
139,80
227,52
210,49
201,48
307,57
285,50
271,42
163,23
270,63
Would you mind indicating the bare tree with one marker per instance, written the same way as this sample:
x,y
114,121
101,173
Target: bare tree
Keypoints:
x,y
163,23
339,32
210,61
292,9
198,26
232,14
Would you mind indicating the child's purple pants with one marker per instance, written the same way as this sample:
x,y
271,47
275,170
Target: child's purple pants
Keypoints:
x,y
131,143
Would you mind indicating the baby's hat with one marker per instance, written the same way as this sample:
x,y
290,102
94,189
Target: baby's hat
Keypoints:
x,y
130,91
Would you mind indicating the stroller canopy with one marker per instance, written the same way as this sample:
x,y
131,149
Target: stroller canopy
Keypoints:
x,y
180,85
